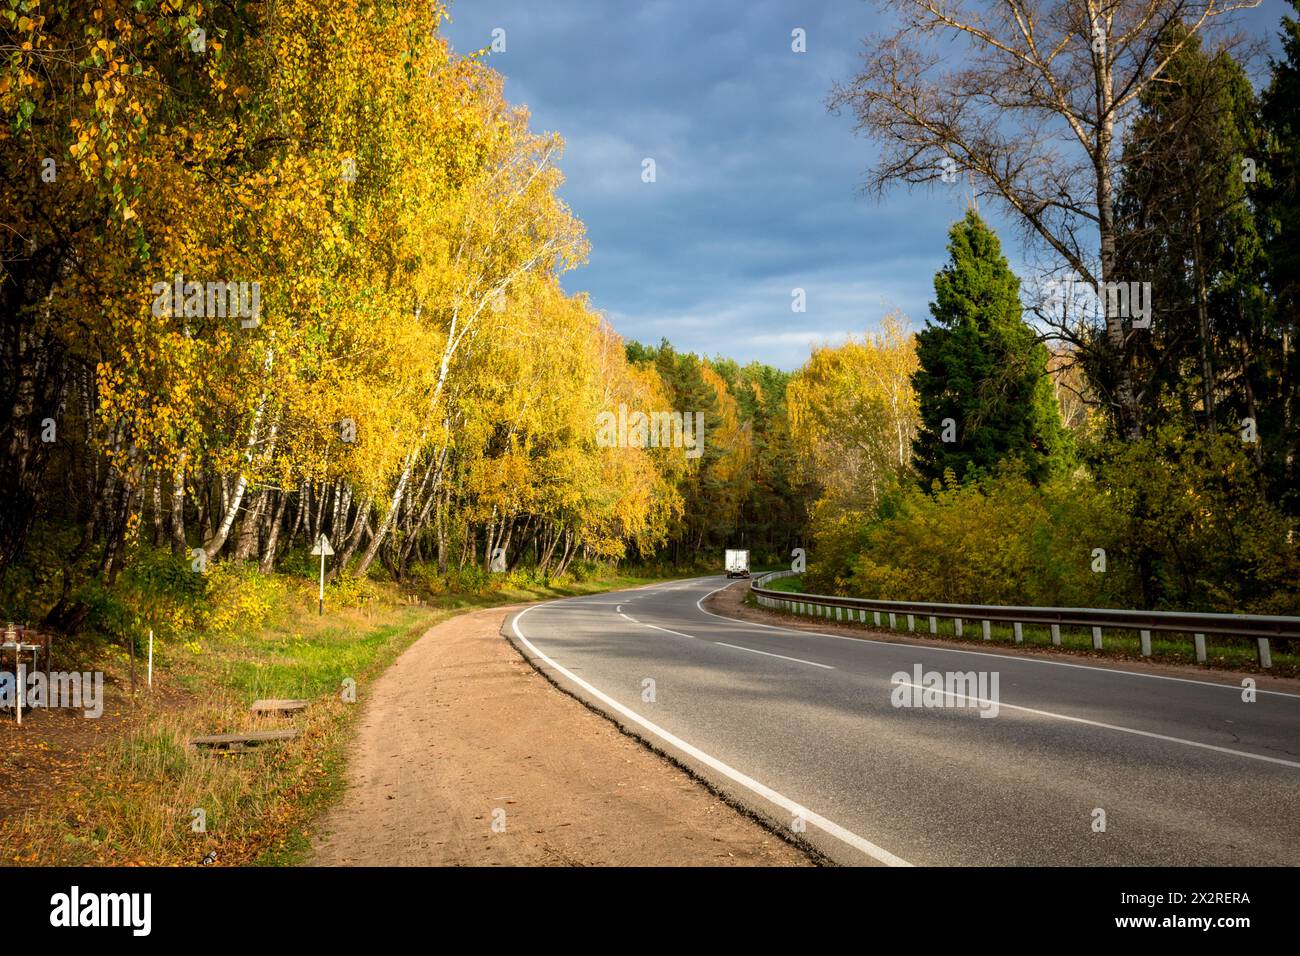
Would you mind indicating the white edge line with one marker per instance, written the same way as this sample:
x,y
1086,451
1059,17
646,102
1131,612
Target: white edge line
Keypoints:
x,y
767,793
797,660
1097,723
957,650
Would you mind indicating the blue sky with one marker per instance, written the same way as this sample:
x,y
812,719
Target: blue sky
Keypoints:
x,y
758,185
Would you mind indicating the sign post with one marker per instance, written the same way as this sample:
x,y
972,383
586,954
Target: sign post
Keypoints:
x,y
322,548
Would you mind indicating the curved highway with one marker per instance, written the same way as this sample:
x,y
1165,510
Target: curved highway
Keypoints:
x,y
899,754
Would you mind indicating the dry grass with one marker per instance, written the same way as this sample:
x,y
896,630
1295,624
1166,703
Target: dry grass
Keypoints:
x,y
133,803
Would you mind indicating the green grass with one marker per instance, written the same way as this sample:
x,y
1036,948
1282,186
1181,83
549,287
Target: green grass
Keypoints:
x,y
1221,652
789,585
133,805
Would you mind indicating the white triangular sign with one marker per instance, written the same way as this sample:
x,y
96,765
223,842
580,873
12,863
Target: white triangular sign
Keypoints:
x,y
322,546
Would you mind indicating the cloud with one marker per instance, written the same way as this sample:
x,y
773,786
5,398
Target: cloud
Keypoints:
x,y
758,185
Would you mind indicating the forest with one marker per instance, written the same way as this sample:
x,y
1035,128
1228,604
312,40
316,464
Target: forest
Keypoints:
x,y
262,285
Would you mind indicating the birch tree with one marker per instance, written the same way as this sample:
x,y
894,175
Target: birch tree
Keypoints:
x,y
1029,110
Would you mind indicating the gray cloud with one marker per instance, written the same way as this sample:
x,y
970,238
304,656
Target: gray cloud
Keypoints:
x,y
758,185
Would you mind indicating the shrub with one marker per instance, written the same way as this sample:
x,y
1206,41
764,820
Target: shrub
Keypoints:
x,y
1182,520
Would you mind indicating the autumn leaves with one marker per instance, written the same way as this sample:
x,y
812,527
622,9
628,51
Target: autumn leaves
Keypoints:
x,y
382,232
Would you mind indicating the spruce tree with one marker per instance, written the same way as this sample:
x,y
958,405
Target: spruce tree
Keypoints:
x,y
1278,207
984,369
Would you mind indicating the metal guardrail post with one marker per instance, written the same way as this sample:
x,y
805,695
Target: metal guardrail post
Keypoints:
x,y
1260,628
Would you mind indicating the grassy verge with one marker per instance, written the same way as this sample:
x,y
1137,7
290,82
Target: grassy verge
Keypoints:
x,y
1221,652
135,803
790,585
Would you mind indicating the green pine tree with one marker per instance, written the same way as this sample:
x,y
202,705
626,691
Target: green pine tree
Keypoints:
x,y
1278,207
983,369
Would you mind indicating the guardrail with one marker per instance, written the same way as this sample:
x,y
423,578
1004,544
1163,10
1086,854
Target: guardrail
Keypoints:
x,y
1261,627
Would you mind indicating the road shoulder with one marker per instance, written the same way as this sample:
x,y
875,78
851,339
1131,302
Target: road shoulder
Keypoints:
x,y
465,755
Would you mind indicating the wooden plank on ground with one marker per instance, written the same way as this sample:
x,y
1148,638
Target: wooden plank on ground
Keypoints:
x,y
272,706
250,738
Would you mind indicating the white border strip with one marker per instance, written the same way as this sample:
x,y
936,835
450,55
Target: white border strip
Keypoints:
x,y
767,793
957,650
1098,723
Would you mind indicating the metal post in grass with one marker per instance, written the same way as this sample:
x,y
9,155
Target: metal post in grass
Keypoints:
x,y
956,626
877,614
1020,634
911,623
893,622
1199,641
934,625
1265,653
1096,638
322,548
1145,637
1056,634
988,630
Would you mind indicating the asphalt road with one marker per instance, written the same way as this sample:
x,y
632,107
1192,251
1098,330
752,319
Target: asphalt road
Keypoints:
x,y
802,728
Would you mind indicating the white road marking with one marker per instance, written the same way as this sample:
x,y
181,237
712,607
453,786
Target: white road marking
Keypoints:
x,y
668,631
767,793
1097,723
626,618
797,660
956,650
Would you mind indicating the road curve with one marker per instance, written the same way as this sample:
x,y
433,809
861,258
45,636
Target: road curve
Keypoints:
x,y
802,729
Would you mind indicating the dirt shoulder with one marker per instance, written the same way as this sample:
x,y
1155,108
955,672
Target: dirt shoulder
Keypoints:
x,y
731,603
461,733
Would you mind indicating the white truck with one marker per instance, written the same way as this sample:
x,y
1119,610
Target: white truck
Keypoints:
x,y
737,563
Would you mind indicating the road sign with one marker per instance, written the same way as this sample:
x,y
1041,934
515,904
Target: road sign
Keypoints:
x,y
322,548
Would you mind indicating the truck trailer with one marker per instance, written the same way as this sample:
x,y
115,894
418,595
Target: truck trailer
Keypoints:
x,y
737,563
